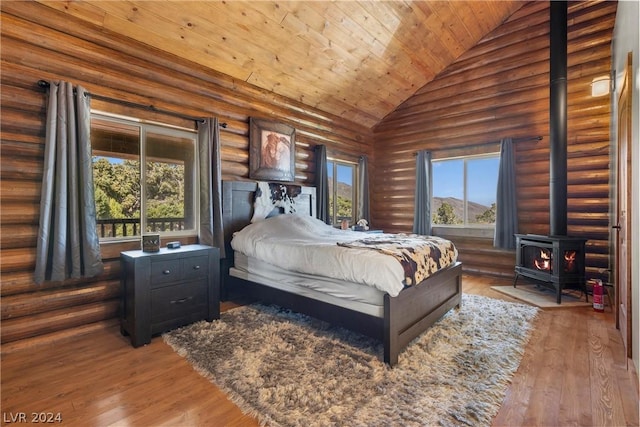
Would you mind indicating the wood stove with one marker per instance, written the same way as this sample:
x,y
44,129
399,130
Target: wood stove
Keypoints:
x,y
555,261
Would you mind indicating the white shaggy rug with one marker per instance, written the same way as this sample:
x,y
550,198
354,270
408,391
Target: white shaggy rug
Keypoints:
x,y
288,369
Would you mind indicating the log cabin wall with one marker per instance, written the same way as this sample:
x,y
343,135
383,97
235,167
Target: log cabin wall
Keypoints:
x,y
498,89
39,43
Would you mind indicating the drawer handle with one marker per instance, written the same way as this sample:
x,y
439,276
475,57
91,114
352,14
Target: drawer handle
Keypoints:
x,y
181,301
196,267
166,272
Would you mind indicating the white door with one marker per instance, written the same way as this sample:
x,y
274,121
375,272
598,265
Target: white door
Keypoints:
x,y
623,258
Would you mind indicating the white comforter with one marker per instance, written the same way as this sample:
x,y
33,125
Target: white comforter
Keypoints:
x,y
305,244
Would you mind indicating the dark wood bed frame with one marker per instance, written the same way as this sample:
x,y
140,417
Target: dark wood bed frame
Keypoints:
x,y
406,316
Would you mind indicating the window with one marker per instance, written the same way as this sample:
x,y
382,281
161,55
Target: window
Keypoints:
x,y
464,191
342,191
165,202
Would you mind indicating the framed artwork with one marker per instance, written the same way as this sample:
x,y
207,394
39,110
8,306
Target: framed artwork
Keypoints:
x,y
271,150
150,243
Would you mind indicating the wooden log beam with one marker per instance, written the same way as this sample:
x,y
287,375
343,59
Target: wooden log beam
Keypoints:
x,y
21,282
57,320
44,301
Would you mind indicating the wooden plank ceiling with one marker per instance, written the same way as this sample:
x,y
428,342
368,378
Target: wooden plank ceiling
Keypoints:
x,y
355,59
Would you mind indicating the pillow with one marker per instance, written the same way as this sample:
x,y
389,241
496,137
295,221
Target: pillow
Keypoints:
x,y
262,205
270,195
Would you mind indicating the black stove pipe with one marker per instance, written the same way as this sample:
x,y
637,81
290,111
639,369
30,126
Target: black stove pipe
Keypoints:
x,y
558,119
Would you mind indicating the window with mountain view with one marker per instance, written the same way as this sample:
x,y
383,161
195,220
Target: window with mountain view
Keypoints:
x,y
342,191
132,200
464,191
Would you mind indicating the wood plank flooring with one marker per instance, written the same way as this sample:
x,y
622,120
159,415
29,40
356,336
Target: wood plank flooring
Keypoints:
x,y
573,373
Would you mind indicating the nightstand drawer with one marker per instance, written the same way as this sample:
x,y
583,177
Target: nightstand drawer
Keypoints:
x,y
165,271
195,267
178,301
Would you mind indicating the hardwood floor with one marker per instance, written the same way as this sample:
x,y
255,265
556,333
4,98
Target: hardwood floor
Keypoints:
x,y
573,373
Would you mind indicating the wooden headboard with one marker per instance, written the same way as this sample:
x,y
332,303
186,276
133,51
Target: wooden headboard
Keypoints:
x,y
237,206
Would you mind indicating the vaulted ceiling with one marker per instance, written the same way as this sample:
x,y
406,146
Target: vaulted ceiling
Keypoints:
x,y
355,59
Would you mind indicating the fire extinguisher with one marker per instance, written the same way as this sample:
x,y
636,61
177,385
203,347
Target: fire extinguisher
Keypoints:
x,y
598,295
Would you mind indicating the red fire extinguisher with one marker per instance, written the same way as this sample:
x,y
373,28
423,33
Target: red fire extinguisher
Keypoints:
x,y
598,295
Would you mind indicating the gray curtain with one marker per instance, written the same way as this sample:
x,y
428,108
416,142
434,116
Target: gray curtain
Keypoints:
x,y
211,227
322,184
68,244
506,207
422,209
363,189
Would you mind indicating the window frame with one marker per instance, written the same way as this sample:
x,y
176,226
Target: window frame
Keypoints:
x,y
466,229
157,128
333,214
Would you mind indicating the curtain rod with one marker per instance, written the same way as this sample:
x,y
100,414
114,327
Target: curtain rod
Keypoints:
x,y
482,144
45,85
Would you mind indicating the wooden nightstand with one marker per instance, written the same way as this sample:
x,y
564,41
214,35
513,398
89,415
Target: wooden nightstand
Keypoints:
x,y
167,289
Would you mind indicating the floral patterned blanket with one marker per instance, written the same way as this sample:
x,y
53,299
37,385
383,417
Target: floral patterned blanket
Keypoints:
x,y
420,256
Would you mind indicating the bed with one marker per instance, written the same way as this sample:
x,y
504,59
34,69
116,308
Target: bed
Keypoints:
x,y
394,320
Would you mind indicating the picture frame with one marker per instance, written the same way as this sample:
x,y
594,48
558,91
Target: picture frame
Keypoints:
x,y
150,243
271,150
